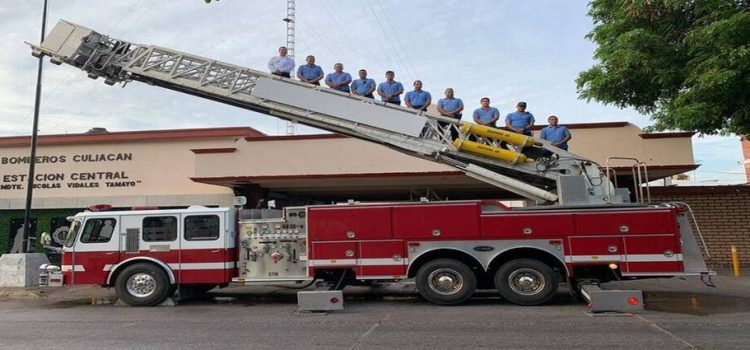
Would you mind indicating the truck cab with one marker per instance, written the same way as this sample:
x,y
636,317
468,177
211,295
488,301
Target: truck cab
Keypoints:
x,y
145,254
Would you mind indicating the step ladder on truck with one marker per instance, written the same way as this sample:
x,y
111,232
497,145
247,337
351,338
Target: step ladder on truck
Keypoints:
x,y
583,228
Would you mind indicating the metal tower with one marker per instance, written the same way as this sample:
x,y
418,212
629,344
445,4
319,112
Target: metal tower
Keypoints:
x,y
291,126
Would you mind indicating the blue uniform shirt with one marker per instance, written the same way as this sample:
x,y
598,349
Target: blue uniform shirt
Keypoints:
x,y
310,72
555,134
362,86
520,120
450,105
417,98
486,115
339,78
391,88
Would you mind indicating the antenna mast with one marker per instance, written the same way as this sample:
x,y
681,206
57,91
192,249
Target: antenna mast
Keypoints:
x,y
291,126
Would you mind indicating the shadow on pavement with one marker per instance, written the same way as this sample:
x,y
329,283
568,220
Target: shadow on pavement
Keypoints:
x,y
694,303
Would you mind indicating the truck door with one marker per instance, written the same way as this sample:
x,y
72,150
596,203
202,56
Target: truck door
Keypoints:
x,y
205,256
96,250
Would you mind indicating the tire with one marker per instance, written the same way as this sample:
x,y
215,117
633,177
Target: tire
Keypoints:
x,y
526,282
143,284
446,282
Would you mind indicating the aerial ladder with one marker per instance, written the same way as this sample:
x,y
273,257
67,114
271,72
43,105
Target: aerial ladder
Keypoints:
x,y
501,158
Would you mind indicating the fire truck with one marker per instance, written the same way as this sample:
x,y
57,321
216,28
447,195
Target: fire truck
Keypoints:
x,y
582,228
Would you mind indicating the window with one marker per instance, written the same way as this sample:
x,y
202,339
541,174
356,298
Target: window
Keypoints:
x,y
160,229
202,227
492,209
74,226
98,230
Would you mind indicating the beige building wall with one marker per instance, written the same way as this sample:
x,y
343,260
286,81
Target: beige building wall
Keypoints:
x,y
628,140
132,173
323,155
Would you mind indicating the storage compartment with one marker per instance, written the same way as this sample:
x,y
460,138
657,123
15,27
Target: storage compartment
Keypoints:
x,y
334,251
349,223
652,253
661,221
436,221
517,226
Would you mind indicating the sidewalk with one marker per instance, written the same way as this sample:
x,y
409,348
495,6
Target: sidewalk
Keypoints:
x,y
58,294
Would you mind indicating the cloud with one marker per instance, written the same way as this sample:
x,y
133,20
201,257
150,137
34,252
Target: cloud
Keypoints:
x,y
507,50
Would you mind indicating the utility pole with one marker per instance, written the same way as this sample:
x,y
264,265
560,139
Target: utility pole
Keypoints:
x,y
291,126
26,247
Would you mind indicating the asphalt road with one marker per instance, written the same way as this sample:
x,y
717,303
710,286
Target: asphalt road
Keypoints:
x,y
679,317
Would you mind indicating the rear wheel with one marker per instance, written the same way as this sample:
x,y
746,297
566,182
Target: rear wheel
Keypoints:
x,y
526,282
446,282
143,285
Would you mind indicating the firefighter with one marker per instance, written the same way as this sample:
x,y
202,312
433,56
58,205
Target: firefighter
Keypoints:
x,y
281,65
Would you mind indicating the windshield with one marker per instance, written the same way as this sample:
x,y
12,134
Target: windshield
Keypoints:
x,y
73,232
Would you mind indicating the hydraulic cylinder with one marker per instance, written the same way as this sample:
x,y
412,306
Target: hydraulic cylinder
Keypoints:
x,y
489,151
497,134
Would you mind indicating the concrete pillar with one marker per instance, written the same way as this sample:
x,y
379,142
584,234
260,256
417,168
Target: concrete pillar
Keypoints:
x,y
21,270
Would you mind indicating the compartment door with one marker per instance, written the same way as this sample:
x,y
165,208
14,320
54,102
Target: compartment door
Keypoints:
x,y
382,259
204,251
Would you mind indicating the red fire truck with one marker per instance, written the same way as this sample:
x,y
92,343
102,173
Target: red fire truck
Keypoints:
x,y
581,228
449,248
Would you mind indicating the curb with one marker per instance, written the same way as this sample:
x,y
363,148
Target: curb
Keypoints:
x,y
22,294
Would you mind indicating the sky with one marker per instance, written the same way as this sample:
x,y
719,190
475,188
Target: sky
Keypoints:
x,y
507,50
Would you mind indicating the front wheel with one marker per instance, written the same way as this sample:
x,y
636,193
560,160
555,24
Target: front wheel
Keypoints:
x,y
143,285
526,282
446,281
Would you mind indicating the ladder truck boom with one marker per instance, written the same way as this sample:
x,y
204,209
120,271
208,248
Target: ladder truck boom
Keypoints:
x,y
565,179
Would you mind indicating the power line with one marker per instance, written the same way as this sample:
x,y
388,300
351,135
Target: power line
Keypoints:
x,y
311,30
196,23
243,31
390,42
123,16
344,33
390,57
124,31
398,39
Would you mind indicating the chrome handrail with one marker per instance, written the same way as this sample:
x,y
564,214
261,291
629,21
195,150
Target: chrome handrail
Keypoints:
x,y
697,228
638,178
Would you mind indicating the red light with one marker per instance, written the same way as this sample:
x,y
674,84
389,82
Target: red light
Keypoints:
x,y
633,301
100,207
334,300
414,244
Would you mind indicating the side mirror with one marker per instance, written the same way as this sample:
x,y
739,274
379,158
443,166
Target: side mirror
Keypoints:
x,y
45,238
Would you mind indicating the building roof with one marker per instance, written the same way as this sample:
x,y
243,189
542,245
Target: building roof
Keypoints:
x,y
132,136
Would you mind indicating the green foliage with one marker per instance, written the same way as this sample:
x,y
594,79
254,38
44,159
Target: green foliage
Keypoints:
x,y
685,62
43,219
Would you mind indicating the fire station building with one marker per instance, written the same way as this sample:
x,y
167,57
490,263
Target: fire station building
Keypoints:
x,y
179,168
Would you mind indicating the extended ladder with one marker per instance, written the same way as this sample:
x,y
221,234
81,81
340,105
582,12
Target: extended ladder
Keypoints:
x,y
565,179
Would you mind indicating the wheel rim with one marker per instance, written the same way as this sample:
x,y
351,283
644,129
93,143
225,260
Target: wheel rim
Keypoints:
x,y
141,285
526,281
445,281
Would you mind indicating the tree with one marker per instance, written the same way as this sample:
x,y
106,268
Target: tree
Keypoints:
x,y
685,62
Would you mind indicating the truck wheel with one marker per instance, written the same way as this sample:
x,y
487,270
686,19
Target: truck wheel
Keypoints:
x,y
446,281
526,282
142,285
